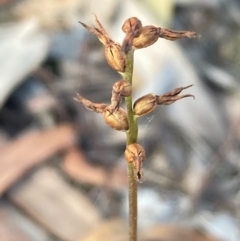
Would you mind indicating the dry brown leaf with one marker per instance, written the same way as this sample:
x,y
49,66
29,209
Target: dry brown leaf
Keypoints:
x,y
110,230
14,226
64,211
20,155
175,233
76,166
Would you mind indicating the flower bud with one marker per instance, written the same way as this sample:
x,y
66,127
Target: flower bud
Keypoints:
x,y
132,27
117,119
119,90
123,88
115,57
145,105
149,35
135,154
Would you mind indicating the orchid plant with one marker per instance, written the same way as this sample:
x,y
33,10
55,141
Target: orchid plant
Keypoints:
x,y
121,58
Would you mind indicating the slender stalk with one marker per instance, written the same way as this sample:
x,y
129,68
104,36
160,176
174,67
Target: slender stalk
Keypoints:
x,y
131,138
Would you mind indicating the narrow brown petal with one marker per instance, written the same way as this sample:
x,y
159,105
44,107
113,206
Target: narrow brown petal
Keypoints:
x,y
172,96
101,28
174,35
96,107
119,90
123,88
102,36
115,101
138,171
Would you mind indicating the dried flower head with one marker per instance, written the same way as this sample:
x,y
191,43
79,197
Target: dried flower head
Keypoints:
x,y
145,104
117,119
113,53
148,103
150,34
123,88
115,57
135,154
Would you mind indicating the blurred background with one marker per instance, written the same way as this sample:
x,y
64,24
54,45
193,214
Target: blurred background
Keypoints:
x,y
62,171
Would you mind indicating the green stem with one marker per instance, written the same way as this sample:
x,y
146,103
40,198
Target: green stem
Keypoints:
x,y
131,138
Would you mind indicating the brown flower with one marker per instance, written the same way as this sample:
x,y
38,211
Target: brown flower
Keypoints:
x,y
145,104
148,103
113,53
148,36
135,154
115,57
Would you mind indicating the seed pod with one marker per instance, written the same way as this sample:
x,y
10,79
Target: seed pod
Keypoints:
x,y
132,27
145,104
117,119
149,35
135,154
115,57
